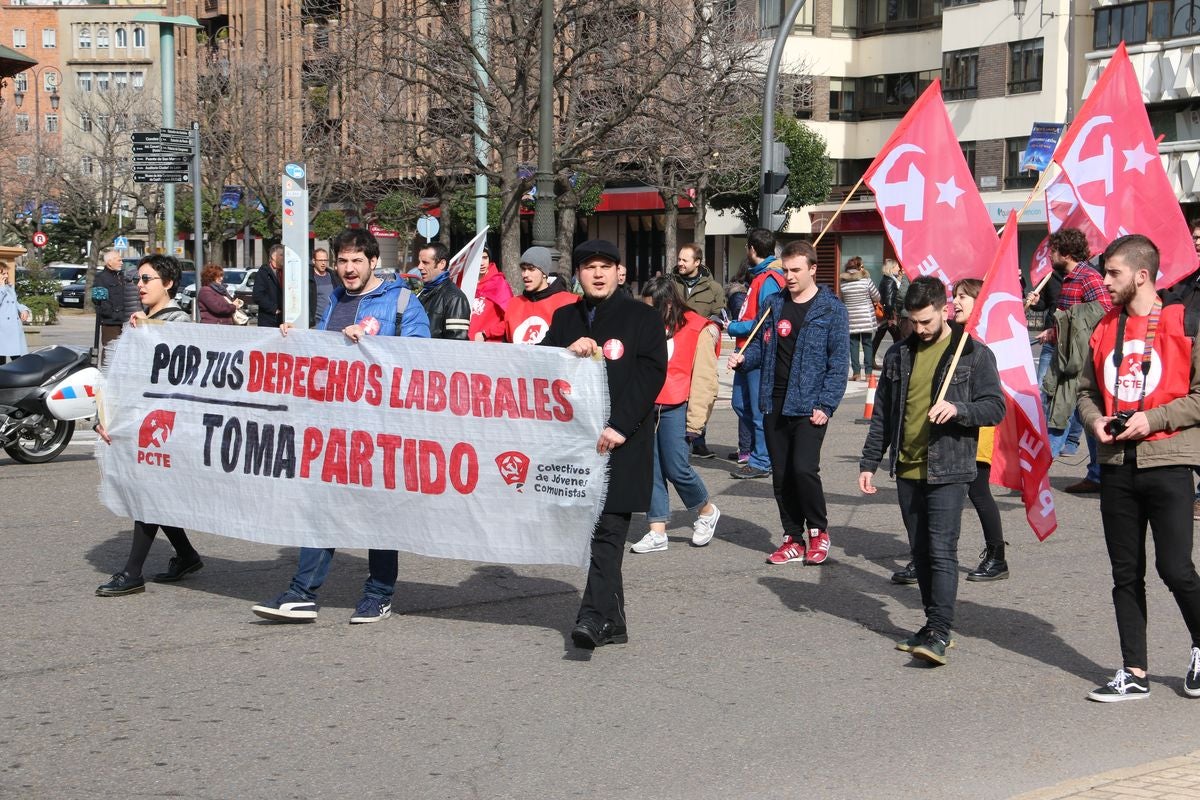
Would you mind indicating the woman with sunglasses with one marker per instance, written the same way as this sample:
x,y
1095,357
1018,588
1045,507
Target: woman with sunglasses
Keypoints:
x,y
157,278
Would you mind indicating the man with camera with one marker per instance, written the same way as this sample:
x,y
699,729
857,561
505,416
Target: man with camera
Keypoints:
x,y
1140,396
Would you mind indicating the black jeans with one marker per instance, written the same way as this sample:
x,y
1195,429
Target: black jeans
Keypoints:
x,y
1129,499
980,493
604,596
794,445
932,515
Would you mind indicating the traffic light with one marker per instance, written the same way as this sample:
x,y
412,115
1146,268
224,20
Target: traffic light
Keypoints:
x,y
774,215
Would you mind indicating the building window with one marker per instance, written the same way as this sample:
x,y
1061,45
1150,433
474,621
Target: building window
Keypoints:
x,y
772,12
953,3
49,38
50,82
848,171
19,38
85,81
885,16
22,122
52,123
845,16
841,98
24,164
876,96
1025,66
968,151
121,38
139,38
120,80
802,97
101,37
1014,153
960,74
21,83
87,164
85,122
102,81
85,38
139,79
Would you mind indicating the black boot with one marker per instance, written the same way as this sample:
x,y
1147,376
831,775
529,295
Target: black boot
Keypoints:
x,y
906,576
993,567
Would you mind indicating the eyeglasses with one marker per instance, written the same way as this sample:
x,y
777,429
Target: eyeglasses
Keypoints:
x,y
146,278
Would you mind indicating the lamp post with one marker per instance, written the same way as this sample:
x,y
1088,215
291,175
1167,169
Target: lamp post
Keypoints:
x,y
19,99
543,211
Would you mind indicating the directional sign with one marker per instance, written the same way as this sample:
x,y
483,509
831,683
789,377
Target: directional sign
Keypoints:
x,y
143,137
174,139
182,161
159,177
174,148
184,132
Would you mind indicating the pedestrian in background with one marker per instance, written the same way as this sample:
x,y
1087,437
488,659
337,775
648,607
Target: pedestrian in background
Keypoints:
x,y
681,411
703,295
490,303
215,306
268,289
860,295
891,297
121,301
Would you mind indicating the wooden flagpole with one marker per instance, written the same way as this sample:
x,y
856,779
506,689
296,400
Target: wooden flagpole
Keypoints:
x,y
754,332
829,224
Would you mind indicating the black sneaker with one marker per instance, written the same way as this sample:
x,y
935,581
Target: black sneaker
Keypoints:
x,y
747,472
906,576
702,451
121,584
931,648
177,569
1125,686
1191,681
907,645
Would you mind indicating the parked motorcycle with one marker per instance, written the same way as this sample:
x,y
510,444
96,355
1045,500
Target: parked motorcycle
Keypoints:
x,y
41,396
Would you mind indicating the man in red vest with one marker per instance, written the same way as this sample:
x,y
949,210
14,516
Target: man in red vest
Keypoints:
x,y
527,317
1140,396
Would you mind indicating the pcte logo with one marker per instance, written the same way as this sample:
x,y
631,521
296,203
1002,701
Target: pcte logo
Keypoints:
x,y
1129,378
156,429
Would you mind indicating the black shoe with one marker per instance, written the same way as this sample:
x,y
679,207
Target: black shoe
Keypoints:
x,y
993,567
932,648
590,634
177,568
1125,686
702,451
906,576
121,584
747,472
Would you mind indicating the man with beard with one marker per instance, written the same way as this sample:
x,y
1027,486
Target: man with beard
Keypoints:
x,y
933,444
629,335
1081,283
527,318
365,305
703,295
1140,397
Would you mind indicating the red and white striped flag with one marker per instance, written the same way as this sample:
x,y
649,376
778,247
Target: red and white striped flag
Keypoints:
x,y
1021,456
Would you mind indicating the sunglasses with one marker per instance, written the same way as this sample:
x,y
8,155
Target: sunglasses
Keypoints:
x,y
146,278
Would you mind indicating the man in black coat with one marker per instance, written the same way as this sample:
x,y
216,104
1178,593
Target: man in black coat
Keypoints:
x,y
268,290
630,337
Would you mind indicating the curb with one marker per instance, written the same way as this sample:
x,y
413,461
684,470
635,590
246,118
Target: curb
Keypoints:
x,y
1112,783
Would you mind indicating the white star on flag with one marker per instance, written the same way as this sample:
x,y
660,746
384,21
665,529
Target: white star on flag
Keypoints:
x,y
1137,158
949,193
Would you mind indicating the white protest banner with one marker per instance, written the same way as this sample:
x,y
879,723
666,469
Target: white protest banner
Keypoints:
x,y
441,448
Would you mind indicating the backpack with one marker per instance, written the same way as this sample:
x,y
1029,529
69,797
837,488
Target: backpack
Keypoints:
x,y
401,303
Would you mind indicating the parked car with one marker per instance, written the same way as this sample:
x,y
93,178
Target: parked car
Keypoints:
x,y
66,274
72,295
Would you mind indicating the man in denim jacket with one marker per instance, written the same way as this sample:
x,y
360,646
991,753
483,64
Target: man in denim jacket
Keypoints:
x,y
933,445
802,356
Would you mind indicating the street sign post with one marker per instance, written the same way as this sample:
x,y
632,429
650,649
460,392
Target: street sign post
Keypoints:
x,y
295,245
166,155
40,239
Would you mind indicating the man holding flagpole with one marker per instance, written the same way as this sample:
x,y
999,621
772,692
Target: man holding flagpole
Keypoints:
x,y
933,436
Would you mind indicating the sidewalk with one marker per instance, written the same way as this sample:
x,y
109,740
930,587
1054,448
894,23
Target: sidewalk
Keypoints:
x,y
1168,779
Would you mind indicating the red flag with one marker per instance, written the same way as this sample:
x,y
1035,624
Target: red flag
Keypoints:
x,y
1063,210
1110,155
1021,455
927,198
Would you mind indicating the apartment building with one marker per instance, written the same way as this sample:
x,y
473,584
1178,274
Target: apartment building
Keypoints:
x,y
854,67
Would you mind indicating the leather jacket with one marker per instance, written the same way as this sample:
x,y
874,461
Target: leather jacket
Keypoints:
x,y
447,308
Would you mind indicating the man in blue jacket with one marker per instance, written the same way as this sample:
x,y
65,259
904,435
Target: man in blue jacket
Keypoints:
x,y
766,280
364,305
802,353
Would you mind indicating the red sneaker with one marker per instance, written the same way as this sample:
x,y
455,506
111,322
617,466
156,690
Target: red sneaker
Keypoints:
x,y
818,546
790,550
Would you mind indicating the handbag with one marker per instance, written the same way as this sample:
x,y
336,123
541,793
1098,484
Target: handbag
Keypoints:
x,y
240,317
879,313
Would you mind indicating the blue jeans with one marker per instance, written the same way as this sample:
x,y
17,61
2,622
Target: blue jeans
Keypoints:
x,y
1060,436
750,415
671,464
932,515
314,565
866,342
1045,358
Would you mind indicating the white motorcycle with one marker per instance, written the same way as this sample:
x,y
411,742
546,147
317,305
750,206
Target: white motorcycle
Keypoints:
x,y
41,396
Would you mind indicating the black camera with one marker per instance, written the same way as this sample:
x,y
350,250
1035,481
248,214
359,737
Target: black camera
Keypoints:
x,y
1116,426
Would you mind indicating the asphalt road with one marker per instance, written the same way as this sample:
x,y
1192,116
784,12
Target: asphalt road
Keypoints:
x,y
740,679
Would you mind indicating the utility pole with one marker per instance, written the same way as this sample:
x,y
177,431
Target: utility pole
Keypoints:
x,y
543,210
769,164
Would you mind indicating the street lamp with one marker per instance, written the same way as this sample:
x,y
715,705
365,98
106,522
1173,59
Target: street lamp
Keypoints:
x,y
19,99
1019,10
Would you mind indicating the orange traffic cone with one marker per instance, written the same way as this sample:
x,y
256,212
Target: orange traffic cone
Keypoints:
x,y
869,408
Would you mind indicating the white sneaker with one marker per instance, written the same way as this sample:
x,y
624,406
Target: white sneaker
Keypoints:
x,y
705,527
650,543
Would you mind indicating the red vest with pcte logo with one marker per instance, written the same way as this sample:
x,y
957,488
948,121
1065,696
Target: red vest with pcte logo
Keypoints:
x,y
750,307
526,321
1169,376
681,355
